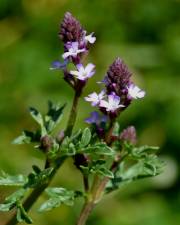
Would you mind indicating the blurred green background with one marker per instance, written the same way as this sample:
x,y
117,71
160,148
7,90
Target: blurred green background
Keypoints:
x,y
146,34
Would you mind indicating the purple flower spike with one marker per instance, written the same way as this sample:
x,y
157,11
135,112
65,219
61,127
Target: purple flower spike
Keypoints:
x,y
135,92
112,104
72,50
83,73
95,98
56,65
71,30
96,118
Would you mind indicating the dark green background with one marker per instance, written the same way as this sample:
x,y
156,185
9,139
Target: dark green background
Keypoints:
x,y
146,34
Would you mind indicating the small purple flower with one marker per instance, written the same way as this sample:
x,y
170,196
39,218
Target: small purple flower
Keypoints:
x,y
95,98
73,50
83,73
112,104
89,38
59,65
96,118
135,92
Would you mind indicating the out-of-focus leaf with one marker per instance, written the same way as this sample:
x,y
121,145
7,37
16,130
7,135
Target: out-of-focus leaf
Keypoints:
x,y
22,215
27,137
104,172
99,149
86,137
37,177
57,196
53,116
36,115
6,207
143,150
11,201
16,180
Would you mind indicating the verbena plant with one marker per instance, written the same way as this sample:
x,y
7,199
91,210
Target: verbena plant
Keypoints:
x,y
105,155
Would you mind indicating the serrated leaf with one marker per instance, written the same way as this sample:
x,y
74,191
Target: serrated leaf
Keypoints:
x,y
150,166
22,139
36,115
8,180
99,149
143,150
11,201
6,207
57,196
105,172
27,137
50,204
36,179
86,137
53,116
19,194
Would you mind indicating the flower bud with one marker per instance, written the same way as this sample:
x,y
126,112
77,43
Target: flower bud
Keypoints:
x,y
46,143
70,29
118,79
129,135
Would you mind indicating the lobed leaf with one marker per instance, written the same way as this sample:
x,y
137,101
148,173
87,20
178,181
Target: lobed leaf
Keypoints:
x,y
57,196
8,180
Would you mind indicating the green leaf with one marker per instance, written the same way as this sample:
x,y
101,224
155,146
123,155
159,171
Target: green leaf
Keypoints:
x,y
57,196
17,180
99,149
86,137
140,152
11,201
67,147
102,170
36,115
22,215
6,207
16,196
27,137
53,116
22,139
150,166
38,178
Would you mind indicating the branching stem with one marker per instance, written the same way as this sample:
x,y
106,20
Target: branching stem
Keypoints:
x,y
35,194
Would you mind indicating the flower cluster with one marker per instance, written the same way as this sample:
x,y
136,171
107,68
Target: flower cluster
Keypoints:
x,y
119,90
76,46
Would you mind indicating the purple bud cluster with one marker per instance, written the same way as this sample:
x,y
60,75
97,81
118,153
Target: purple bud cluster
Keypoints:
x,y
119,90
76,46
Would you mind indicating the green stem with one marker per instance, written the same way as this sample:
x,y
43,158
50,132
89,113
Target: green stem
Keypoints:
x,y
35,194
87,209
72,115
98,186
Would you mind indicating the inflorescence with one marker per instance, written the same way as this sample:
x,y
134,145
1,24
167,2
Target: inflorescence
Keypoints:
x,y
118,91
